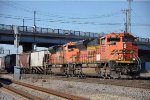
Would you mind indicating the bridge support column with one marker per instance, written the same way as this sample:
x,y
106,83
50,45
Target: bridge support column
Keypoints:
x,y
29,47
33,47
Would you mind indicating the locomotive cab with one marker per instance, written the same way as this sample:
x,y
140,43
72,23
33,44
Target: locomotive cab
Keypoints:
x,y
119,51
70,52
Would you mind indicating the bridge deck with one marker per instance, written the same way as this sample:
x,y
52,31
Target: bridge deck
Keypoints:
x,y
52,36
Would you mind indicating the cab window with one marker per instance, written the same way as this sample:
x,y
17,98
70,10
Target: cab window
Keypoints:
x,y
71,47
103,41
113,40
127,39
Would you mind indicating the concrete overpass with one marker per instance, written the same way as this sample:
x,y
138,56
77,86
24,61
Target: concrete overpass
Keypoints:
x,y
41,37
46,37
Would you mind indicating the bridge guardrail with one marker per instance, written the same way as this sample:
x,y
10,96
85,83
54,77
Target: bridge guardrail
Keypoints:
x,y
44,30
29,29
145,41
60,31
50,30
6,27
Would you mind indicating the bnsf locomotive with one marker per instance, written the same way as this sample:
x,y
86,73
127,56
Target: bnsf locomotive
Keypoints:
x,y
113,55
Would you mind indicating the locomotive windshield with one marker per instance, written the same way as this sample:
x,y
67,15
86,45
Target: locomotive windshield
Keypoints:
x,y
128,39
113,39
71,46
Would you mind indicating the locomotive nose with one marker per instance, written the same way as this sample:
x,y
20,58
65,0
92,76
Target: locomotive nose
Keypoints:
x,y
128,51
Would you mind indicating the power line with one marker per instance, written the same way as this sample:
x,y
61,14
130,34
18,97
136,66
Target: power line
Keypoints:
x,y
30,10
72,22
60,21
13,5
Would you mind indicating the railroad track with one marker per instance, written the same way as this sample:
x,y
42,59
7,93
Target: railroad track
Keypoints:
x,y
5,83
140,83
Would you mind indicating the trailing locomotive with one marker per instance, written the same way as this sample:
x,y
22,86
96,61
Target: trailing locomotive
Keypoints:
x,y
113,55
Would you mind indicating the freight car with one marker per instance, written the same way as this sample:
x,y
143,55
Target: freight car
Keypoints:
x,y
113,55
10,62
37,62
31,62
24,62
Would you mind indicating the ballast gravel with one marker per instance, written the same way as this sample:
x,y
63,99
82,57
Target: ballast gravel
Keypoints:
x,y
93,91
8,95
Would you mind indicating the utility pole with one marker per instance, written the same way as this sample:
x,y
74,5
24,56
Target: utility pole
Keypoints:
x,y
126,20
34,30
34,21
129,15
23,24
16,43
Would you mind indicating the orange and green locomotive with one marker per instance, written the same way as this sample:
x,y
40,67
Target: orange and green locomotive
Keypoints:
x,y
113,55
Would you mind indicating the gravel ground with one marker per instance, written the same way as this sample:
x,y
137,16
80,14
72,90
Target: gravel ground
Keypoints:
x,y
8,95
94,91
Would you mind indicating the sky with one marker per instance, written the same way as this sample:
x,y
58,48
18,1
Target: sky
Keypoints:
x,y
81,15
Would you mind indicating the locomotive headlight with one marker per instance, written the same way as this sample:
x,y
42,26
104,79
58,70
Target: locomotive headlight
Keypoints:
x,y
119,59
133,59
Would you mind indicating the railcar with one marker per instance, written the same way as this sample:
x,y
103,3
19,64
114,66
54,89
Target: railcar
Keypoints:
x,y
24,62
37,62
10,62
113,55
31,62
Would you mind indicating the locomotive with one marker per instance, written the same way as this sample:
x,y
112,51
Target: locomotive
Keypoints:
x,y
111,56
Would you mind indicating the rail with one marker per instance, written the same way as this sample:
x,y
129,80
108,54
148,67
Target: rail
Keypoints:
x,y
49,91
20,92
